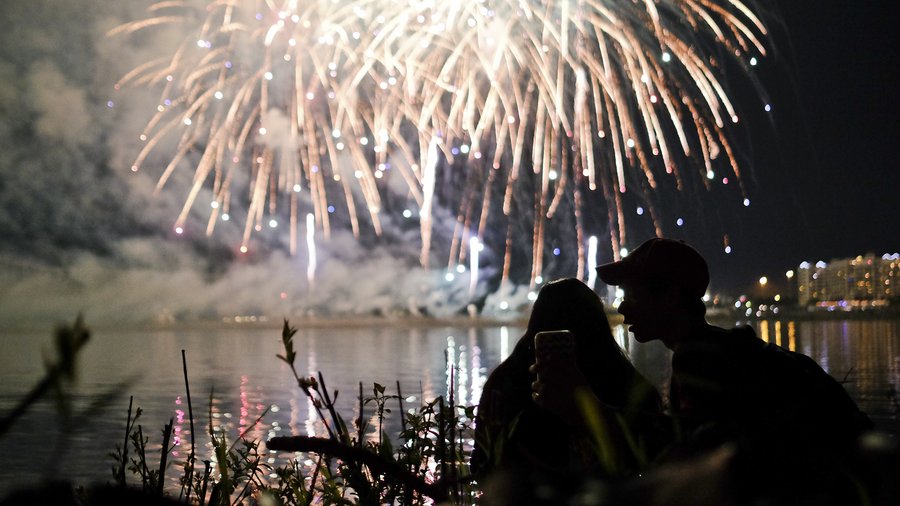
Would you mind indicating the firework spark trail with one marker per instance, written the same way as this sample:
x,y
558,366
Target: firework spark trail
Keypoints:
x,y
428,194
314,100
311,247
474,249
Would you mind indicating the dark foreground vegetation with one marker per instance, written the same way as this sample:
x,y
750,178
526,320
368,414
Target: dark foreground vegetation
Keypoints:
x,y
426,463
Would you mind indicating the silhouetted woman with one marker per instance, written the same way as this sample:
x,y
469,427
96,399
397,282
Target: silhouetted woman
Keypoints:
x,y
530,444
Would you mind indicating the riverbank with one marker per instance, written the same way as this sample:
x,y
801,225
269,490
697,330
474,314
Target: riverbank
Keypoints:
x,y
718,316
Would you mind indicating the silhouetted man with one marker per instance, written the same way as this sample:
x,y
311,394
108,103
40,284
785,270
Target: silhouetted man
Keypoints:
x,y
792,425
728,382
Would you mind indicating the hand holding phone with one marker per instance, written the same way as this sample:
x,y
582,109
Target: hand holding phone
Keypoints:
x,y
554,350
554,345
556,370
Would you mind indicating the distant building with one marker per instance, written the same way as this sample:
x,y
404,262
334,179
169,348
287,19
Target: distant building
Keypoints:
x,y
850,283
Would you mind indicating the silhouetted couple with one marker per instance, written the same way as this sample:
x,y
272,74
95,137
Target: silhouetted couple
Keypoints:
x,y
549,424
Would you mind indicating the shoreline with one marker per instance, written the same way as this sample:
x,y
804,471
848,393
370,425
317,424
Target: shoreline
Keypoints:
x,y
726,318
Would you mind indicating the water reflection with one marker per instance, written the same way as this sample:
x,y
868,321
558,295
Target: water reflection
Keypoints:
x,y
792,336
237,366
776,336
861,354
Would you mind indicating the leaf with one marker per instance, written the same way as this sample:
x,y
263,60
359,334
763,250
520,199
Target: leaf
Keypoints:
x,y
287,338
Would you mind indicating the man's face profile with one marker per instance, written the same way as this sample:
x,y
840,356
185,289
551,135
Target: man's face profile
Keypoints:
x,y
634,308
646,312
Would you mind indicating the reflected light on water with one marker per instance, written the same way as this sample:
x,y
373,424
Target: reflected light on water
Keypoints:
x,y
504,342
792,336
478,374
864,355
450,370
294,421
310,418
311,365
240,367
245,404
462,377
176,427
822,350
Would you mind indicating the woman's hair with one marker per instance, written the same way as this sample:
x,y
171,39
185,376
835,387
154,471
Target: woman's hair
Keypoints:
x,y
569,304
506,409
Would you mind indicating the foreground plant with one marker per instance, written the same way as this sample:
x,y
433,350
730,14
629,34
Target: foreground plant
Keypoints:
x,y
60,371
427,465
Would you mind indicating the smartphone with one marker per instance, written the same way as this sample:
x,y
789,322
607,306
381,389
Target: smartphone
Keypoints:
x,y
554,345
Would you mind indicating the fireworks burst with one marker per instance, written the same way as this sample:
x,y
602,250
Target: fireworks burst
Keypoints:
x,y
299,104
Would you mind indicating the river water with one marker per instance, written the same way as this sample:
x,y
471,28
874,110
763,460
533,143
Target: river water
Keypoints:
x,y
235,376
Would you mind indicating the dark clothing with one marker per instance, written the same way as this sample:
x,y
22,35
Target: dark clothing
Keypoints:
x,y
742,386
515,435
794,427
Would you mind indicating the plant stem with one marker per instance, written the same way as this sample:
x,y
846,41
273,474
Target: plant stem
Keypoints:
x,y
191,456
121,478
163,459
377,464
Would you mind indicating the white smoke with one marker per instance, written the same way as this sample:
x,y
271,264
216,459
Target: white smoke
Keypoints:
x,y
149,281
71,197
62,112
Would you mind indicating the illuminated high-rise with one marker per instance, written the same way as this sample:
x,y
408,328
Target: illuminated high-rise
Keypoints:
x,y
861,282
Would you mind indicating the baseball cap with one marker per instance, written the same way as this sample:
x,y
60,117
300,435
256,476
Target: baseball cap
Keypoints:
x,y
660,258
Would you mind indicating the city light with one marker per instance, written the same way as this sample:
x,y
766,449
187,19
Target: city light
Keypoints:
x,y
845,284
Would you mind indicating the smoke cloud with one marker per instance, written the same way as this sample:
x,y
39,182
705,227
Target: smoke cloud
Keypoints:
x,y
82,233
147,281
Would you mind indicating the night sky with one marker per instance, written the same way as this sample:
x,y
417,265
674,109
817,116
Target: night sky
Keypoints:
x,y
826,169
821,169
